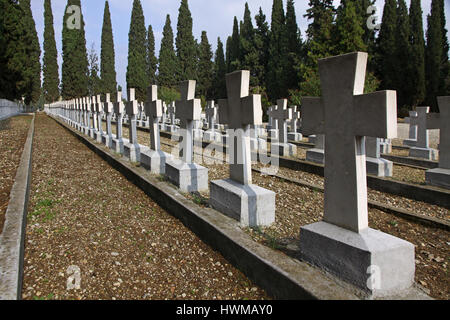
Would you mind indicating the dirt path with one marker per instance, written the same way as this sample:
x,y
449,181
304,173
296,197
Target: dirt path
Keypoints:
x,y
85,214
13,134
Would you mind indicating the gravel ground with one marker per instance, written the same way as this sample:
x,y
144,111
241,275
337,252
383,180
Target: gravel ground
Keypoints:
x,y
13,134
297,206
84,213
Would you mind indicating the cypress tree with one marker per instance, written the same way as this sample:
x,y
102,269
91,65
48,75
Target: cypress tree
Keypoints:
x,y
348,34
433,55
137,53
249,55
107,55
386,47
75,72
228,53
152,61
220,70
262,47
206,67
185,45
417,59
50,68
402,56
444,83
167,57
294,47
94,83
33,68
235,48
276,78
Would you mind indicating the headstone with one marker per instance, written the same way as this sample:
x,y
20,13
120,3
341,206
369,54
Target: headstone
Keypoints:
x,y
211,114
272,128
172,128
99,112
281,114
343,243
154,159
132,149
386,146
119,108
413,121
237,197
294,135
422,149
186,175
441,176
108,107
317,154
92,117
376,165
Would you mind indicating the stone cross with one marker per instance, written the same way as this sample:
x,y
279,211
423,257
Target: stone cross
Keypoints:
x,y
346,115
108,107
171,110
240,111
153,110
211,114
99,110
421,123
412,138
272,122
281,113
188,110
132,110
441,121
295,119
119,108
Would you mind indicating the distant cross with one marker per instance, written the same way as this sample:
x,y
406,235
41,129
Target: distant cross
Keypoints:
x,y
422,130
240,111
413,119
441,121
272,122
153,110
99,109
108,107
171,110
295,118
211,114
281,113
132,110
188,110
346,115
119,108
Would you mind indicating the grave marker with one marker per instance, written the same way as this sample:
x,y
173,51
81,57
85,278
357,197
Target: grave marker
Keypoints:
x,y
132,149
422,149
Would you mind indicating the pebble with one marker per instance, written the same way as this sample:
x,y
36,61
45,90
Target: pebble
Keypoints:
x,y
114,254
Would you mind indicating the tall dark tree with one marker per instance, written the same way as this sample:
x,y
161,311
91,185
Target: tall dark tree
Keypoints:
x,y
50,67
444,84
33,69
137,53
234,49
185,45
386,47
152,61
262,47
417,59
220,70
167,57
348,34
75,72
206,67
294,47
402,55
276,77
249,56
434,55
107,55
94,83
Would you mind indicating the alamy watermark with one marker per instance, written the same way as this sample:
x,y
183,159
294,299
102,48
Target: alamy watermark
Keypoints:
x,y
74,20
372,20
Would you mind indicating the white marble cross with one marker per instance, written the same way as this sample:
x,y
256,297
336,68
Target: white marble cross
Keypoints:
x,y
119,108
171,110
281,113
153,110
422,130
99,112
240,111
295,118
346,115
272,122
108,107
211,114
441,121
132,110
188,110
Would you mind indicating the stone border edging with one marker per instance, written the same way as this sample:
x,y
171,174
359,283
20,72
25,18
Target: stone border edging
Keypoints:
x,y
12,239
281,276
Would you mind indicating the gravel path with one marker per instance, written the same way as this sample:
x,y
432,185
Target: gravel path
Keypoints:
x,y
84,213
13,134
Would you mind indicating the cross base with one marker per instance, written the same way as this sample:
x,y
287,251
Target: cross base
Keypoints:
x,y
118,145
187,177
316,156
98,136
258,144
423,153
155,161
438,177
251,205
385,147
172,128
410,142
132,152
107,140
373,261
272,134
284,149
312,139
90,133
197,134
295,136
379,167
211,136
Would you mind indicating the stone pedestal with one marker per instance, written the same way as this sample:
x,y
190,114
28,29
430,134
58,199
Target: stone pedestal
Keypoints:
x,y
187,177
197,134
212,136
295,136
155,161
285,149
107,140
410,142
312,139
379,167
371,260
172,128
272,133
423,153
385,146
251,205
98,136
438,177
316,156
132,151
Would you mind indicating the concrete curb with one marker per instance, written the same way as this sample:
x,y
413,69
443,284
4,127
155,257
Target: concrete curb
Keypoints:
x,y
418,163
281,276
9,116
13,236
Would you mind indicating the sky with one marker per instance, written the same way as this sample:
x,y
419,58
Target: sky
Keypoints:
x,y
213,16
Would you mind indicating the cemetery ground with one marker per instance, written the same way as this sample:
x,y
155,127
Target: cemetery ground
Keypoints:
x,y
298,206
84,213
13,134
